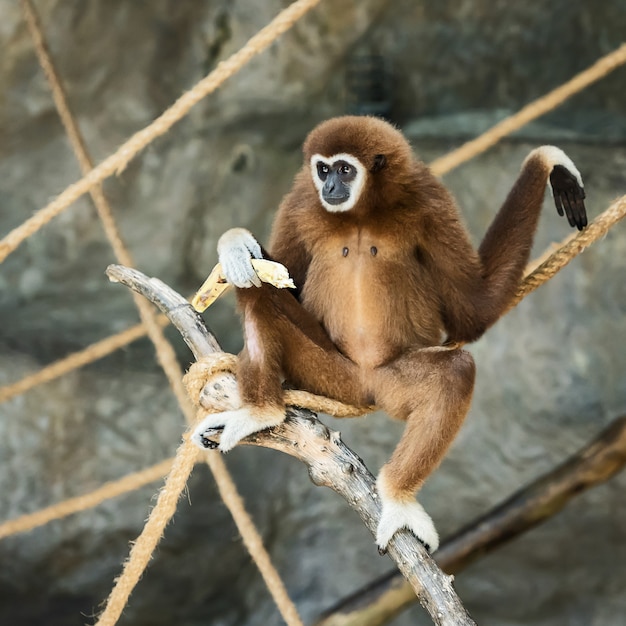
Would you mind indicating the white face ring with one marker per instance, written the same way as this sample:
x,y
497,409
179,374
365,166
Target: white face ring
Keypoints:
x,y
356,186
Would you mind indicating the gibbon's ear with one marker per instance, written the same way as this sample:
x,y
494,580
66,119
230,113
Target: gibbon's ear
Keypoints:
x,y
380,160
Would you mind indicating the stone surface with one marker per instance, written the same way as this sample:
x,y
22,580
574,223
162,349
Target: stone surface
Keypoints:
x,y
550,374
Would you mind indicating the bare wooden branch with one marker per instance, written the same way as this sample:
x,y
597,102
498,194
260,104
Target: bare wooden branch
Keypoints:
x,y
594,464
330,462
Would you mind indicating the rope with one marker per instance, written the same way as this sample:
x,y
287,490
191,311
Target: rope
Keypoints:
x,y
146,543
118,161
77,360
313,402
108,491
531,111
252,540
184,461
164,510
201,373
570,248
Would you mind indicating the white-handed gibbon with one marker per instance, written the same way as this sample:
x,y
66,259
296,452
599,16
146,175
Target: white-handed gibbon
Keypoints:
x,y
387,281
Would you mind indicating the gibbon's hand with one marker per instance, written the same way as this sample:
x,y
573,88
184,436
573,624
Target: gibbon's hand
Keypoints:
x,y
235,248
569,196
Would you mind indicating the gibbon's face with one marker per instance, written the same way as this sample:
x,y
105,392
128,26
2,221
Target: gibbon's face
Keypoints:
x,y
339,180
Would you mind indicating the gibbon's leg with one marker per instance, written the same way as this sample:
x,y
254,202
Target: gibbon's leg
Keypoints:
x,y
281,339
430,388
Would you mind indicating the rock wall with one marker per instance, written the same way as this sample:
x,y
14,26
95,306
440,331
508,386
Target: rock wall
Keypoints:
x,y
550,374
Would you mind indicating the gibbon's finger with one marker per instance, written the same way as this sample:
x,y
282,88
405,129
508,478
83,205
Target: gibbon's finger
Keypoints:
x,y
579,201
557,202
238,270
575,208
568,209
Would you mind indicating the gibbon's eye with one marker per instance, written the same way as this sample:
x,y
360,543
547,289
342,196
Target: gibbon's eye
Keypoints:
x,y
322,170
346,169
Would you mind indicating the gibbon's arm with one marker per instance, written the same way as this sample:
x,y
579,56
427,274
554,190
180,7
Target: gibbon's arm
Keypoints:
x,y
476,288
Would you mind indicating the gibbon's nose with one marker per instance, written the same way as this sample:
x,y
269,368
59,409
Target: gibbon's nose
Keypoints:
x,y
329,186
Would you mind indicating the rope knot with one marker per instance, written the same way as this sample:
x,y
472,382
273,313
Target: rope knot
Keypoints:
x,y
198,379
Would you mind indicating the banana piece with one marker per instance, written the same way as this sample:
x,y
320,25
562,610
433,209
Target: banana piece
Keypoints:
x,y
215,285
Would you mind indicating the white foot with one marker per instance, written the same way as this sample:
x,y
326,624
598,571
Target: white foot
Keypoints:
x,y
397,515
237,425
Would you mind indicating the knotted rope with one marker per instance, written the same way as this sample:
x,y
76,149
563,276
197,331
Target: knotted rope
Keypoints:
x,y
203,373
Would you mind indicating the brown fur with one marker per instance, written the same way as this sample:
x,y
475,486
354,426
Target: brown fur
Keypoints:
x,y
367,325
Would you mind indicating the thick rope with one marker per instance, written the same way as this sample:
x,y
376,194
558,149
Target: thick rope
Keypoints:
x,y
167,359
118,161
164,510
76,360
531,111
146,543
108,491
203,371
165,353
252,540
569,249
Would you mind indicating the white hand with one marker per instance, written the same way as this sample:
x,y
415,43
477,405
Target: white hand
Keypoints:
x,y
235,248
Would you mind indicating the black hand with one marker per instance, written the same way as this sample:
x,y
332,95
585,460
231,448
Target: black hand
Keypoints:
x,y
569,196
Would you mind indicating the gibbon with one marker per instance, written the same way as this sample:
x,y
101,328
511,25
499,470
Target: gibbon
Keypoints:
x,y
387,282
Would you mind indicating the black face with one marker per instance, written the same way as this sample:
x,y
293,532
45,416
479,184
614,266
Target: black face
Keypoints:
x,y
336,177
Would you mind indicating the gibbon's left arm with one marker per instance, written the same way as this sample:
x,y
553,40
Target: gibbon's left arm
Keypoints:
x,y
476,288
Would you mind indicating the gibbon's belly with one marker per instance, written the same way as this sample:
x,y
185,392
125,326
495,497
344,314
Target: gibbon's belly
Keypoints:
x,y
362,294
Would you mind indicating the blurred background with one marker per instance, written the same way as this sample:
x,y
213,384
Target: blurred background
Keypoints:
x,y
550,375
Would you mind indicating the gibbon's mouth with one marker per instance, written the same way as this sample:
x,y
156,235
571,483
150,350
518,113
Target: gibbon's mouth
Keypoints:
x,y
335,200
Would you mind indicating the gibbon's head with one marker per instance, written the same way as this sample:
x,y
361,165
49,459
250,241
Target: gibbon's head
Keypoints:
x,y
347,154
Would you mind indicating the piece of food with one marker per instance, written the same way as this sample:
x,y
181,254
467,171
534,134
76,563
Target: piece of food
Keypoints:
x,y
215,285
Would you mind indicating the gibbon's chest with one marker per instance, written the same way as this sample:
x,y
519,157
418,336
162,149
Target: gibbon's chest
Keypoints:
x,y
363,287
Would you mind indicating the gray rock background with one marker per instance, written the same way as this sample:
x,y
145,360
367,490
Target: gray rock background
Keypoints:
x,y
550,374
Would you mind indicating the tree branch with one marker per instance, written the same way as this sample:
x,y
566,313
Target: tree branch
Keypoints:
x,y
595,463
330,462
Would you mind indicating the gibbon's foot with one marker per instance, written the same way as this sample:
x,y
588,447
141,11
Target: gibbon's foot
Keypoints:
x,y
396,515
235,425
408,515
